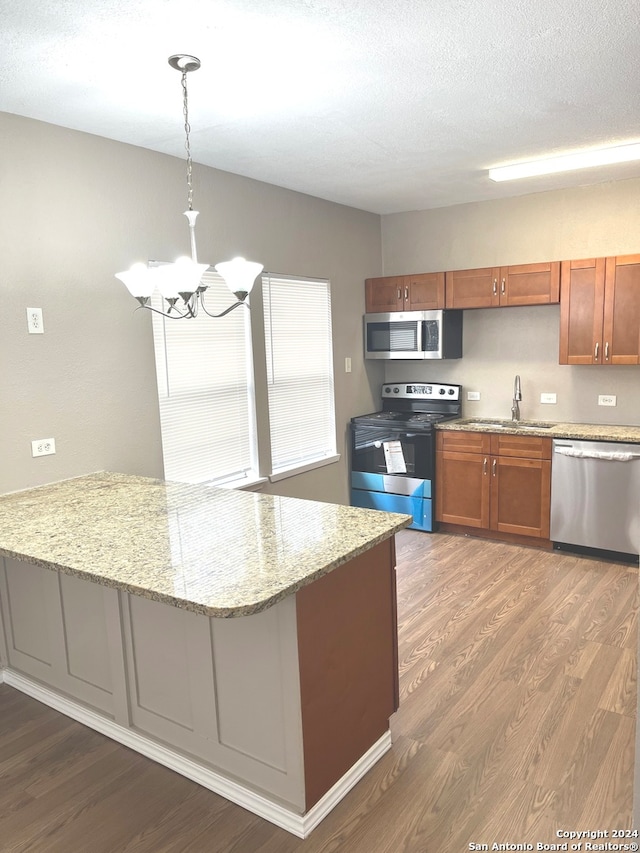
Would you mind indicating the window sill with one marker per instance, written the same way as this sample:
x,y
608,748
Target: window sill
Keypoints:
x,y
245,485
300,469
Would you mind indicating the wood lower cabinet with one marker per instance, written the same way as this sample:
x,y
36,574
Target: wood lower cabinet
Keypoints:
x,y
422,292
492,287
494,482
462,486
600,311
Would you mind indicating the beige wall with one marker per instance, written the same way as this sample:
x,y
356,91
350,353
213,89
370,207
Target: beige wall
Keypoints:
x,y
74,209
498,343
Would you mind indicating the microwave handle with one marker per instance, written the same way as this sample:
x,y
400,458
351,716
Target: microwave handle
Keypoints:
x,y
420,339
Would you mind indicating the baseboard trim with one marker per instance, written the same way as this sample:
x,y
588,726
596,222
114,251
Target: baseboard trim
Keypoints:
x,y
342,787
287,819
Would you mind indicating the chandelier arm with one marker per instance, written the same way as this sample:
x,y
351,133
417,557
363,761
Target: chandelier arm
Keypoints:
x,y
226,311
175,316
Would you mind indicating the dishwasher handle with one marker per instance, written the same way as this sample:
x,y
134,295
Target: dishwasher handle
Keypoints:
x,y
605,455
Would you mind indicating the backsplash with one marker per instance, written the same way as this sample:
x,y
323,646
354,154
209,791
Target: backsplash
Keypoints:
x,y
500,343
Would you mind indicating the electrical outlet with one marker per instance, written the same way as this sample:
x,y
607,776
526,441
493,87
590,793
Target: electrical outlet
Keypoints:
x,y
548,398
43,447
473,395
347,365
35,323
607,400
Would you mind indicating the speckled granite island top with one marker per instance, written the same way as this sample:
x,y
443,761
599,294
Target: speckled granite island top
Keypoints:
x,y
213,551
578,432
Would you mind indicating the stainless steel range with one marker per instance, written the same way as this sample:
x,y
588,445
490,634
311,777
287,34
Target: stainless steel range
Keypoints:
x,y
393,451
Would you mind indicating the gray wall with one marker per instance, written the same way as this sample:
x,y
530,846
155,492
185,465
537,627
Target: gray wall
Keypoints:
x,y
75,209
498,343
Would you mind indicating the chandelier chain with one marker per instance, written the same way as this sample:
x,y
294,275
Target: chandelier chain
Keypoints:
x,y
187,141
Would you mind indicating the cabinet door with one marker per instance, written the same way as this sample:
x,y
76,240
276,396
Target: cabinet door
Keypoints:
x,y
520,496
473,288
384,294
530,284
462,491
581,311
424,292
622,311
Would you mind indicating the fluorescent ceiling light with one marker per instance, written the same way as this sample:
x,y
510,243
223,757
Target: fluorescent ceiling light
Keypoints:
x,y
567,162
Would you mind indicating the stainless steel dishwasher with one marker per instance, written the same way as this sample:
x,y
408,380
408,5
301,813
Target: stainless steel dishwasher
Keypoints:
x,y
595,495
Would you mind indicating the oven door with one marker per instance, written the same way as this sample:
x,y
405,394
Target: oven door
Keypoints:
x,y
392,470
391,450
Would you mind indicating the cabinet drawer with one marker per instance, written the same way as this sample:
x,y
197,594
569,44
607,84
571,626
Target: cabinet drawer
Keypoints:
x,y
463,441
525,446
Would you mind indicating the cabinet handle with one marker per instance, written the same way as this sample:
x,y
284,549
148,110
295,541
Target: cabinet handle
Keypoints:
x,y
495,286
399,293
606,351
406,293
596,351
484,466
494,465
503,288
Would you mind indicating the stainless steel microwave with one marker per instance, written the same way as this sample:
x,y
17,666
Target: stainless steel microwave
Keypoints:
x,y
413,334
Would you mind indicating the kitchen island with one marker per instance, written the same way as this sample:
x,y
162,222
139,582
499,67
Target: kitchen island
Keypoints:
x,y
246,641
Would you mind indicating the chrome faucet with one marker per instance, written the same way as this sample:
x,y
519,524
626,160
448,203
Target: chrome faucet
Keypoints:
x,y
517,396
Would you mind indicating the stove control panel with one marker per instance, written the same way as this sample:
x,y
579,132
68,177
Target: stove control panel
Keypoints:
x,y
422,391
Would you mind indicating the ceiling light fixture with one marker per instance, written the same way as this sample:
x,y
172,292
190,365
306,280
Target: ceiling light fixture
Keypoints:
x,y
180,283
567,162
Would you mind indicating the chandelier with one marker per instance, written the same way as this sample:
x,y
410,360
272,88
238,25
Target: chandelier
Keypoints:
x,y
179,283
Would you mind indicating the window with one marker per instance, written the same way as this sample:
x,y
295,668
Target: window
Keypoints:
x,y
206,385
297,323
205,390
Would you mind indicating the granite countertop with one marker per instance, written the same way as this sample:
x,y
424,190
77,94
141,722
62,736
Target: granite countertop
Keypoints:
x,y
584,432
214,551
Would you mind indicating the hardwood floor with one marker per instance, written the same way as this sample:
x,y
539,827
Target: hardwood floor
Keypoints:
x,y
517,718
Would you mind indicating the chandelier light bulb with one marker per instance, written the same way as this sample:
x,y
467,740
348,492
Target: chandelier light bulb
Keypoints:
x,y
239,275
138,280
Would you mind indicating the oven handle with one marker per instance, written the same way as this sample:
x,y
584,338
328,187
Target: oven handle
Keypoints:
x,y
397,435
399,431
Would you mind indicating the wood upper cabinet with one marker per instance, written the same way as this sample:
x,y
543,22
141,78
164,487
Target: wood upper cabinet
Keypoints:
x,y
491,287
494,482
600,311
422,292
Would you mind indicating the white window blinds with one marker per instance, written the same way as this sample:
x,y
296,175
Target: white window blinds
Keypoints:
x,y
297,319
204,382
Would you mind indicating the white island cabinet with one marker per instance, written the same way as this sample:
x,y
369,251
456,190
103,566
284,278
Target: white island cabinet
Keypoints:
x,y
246,641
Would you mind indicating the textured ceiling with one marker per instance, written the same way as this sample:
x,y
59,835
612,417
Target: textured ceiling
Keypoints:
x,y
384,105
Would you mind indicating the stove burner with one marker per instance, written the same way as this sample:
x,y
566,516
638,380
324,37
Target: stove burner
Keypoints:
x,y
425,417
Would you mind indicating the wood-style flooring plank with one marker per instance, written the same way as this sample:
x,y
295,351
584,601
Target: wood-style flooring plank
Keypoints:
x,y
518,671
